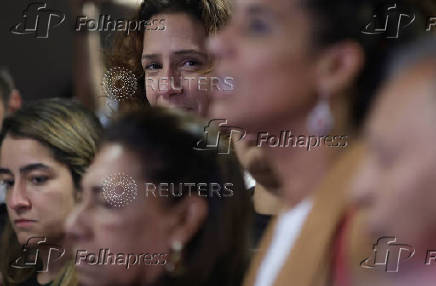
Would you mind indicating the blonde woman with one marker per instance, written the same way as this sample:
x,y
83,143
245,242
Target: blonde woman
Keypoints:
x,y
46,148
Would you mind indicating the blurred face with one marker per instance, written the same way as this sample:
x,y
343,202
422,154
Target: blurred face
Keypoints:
x,y
175,64
39,190
266,49
140,227
395,185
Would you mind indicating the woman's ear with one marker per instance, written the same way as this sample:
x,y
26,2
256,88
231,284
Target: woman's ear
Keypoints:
x,y
190,215
15,101
339,66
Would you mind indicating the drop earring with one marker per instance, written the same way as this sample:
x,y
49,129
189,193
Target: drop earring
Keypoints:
x,y
174,263
320,119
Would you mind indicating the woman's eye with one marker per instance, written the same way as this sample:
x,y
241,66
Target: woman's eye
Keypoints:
x,y
38,180
258,26
191,65
108,205
105,203
152,66
6,184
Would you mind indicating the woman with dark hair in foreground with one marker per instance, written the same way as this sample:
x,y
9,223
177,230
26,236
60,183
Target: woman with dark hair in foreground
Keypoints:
x,y
186,208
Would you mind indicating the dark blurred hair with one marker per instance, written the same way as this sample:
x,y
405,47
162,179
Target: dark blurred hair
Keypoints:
x,y
127,49
217,254
416,53
6,85
338,20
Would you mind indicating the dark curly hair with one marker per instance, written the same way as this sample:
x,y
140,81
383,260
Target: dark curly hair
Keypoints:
x,y
218,253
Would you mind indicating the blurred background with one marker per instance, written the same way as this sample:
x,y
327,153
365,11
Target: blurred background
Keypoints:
x,y
61,64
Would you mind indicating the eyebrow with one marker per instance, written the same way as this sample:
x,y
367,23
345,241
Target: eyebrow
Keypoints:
x,y
149,56
259,9
177,53
185,52
5,171
26,169
31,167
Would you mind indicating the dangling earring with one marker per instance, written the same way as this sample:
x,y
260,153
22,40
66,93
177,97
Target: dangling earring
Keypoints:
x,y
174,263
320,120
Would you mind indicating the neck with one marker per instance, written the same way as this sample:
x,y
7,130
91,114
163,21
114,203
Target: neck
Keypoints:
x,y
53,257
265,201
300,167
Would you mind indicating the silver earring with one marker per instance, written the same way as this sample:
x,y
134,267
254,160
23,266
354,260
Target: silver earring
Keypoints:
x,y
320,120
174,263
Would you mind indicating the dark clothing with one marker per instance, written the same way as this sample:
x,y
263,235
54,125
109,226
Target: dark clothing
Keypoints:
x,y
260,222
33,282
3,217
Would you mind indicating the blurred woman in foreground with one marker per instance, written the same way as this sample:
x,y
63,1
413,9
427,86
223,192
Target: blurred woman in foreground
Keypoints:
x,y
395,187
304,76
181,213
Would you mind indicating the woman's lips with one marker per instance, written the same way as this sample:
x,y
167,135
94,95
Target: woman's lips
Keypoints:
x,y
24,222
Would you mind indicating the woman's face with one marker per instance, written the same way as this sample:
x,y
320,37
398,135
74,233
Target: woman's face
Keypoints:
x,y
395,185
140,227
266,49
39,190
175,64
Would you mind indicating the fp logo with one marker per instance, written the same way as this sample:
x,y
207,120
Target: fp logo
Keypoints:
x,y
30,254
391,24
388,254
217,140
38,20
